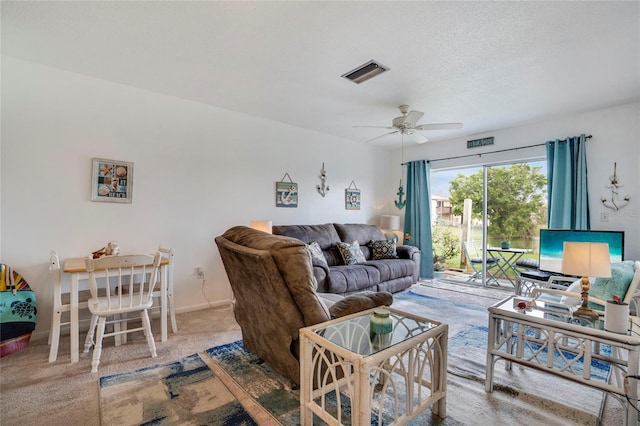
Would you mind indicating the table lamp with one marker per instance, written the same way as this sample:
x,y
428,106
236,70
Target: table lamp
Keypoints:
x,y
390,226
261,225
586,260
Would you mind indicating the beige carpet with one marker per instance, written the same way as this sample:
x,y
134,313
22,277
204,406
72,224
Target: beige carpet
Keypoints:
x,y
31,389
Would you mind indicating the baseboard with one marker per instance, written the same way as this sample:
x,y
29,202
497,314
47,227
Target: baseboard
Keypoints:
x,y
217,304
154,314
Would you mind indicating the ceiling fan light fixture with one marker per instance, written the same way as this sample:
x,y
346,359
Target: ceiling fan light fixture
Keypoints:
x,y
365,72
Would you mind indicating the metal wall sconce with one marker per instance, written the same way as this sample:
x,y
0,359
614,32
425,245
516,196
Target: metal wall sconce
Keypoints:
x,y
615,203
322,189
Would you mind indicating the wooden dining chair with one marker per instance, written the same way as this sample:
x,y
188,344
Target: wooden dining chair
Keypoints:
x,y
61,305
120,285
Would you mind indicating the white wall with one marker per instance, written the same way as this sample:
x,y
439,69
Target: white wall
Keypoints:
x,y
198,170
616,138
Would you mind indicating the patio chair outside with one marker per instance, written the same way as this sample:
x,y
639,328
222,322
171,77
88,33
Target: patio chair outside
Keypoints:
x,y
474,258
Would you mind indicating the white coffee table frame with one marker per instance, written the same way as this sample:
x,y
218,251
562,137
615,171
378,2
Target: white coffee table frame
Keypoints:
x,y
414,363
553,330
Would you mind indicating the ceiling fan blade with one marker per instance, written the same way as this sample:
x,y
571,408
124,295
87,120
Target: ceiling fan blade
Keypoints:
x,y
439,126
381,136
419,138
377,127
413,117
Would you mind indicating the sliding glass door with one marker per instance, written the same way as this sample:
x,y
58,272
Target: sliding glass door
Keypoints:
x,y
497,210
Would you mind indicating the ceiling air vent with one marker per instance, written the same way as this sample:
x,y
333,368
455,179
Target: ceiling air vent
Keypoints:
x,y
365,72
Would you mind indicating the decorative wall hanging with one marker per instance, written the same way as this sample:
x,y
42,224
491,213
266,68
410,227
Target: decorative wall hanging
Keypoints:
x,y
352,197
286,193
322,189
111,181
400,203
615,203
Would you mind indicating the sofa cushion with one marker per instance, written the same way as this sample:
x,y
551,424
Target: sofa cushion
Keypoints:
x,y
391,269
353,278
325,235
351,253
358,231
383,249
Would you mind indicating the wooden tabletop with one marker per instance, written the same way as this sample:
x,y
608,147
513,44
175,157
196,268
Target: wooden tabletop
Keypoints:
x,y
77,264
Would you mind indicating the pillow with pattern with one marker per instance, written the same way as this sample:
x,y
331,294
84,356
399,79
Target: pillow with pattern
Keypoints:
x,y
383,249
317,257
351,253
618,283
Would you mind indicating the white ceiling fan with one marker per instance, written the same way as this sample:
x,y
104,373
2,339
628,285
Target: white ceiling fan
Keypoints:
x,y
406,125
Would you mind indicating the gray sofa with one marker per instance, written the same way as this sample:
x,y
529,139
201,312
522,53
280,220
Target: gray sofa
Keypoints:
x,y
391,275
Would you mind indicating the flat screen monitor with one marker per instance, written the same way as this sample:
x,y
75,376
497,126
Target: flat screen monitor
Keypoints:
x,y
552,245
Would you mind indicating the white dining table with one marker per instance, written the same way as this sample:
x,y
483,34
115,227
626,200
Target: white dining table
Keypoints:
x,y
76,267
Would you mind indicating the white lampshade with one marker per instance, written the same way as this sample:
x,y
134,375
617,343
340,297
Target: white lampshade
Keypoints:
x,y
586,259
261,225
389,222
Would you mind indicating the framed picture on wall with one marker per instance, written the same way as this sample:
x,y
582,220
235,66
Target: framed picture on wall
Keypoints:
x,y
286,192
111,181
352,197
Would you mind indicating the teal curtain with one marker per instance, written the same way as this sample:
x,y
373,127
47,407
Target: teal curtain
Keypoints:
x,y
417,219
568,206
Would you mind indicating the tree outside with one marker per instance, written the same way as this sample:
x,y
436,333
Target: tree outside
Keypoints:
x,y
516,199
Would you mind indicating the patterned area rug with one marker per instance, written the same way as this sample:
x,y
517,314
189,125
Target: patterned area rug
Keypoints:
x,y
213,387
181,392
468,335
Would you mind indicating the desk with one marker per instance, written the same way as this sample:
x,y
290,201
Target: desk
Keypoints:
x,y
514,335
507,259
77,268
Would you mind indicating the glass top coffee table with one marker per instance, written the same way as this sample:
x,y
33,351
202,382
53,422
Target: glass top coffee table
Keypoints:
x,y
342,361
548,337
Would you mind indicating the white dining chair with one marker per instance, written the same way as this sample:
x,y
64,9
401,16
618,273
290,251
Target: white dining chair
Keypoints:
x,y
61,305
168,253
120,285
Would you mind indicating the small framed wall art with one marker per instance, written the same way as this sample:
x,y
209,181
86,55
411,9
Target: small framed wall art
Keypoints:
x,y
111,181
352,197
286,192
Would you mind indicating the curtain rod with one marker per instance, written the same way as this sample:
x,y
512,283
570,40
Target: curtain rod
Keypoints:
x,y
494,152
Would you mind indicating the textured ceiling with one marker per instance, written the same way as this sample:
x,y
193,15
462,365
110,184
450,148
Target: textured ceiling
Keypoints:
x,y
489,65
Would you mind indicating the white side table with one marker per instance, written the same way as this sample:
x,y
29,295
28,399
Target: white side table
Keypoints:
x,y
341,362
534,336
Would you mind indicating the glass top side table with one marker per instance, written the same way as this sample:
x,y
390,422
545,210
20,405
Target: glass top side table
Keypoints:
x,y
342,359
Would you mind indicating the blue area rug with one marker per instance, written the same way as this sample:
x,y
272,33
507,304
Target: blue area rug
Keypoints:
x,y
468,335
180,392
190,391
275,394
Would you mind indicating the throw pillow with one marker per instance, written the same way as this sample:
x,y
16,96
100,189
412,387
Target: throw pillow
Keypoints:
x,y
351,253
383,249
618,283
317,257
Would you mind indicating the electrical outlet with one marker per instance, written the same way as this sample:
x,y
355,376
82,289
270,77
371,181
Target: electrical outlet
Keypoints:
x,y
200,272
604,217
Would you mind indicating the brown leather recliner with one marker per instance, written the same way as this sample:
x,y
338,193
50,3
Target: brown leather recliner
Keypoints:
x,y
275,294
